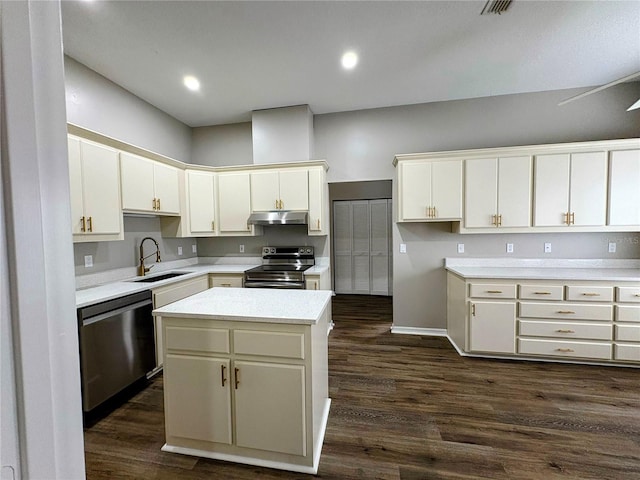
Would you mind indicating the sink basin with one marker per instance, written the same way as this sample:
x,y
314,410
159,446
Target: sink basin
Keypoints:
x,y
157,278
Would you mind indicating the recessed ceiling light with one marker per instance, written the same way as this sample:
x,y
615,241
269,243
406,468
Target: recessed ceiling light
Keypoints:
x,y
192,83
349,60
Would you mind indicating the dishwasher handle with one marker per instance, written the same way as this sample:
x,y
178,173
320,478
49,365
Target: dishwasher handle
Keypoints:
x,y
112,313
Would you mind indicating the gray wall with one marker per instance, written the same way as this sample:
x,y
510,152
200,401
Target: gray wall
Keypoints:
x,y
289,235
126,253
360,146
222,145
98,104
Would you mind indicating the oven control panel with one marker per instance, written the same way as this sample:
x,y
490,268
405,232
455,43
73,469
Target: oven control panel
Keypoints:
x,y
286,251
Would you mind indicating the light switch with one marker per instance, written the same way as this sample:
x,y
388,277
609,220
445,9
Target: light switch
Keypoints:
x,y
403,248
179,250
88,261
461,248
509,247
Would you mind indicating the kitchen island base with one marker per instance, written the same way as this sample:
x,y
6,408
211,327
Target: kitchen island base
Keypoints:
x,y
248,388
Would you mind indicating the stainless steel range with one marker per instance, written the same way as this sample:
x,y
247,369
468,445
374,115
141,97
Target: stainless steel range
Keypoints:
x,y
282,267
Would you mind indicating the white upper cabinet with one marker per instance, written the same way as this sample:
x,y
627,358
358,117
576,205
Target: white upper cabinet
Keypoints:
x,y
570,189
149,186
498,192
279,190
624,188
430,190
234,202
201,202
318,201
95,191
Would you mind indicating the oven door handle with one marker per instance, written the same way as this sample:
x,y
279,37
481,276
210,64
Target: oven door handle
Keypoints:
x,y
298,285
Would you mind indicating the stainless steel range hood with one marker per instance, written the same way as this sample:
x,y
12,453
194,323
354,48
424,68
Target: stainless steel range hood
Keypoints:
x,y
278,217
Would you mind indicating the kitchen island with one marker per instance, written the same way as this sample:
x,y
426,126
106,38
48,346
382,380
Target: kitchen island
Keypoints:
x,y
246,376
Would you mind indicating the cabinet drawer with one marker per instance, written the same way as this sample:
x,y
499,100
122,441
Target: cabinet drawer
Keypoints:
x,y
268,344
586,331
566,311
201,340
628,333
226,281
541,292
627,352
169,294
629,294
560,348
492,290
586,293
627,314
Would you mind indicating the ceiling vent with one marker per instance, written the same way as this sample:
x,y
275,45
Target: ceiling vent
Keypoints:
x,y
495,6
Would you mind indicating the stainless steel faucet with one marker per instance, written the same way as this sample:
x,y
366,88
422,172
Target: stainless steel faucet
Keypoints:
x,y
141,268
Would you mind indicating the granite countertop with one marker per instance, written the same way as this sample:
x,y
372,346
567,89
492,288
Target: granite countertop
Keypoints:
x,y
542,269
251,304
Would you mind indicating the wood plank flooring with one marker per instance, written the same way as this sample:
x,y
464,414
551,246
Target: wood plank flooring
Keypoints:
x,y
409,407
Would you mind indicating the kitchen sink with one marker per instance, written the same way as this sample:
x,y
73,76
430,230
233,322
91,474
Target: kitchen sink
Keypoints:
x,y
157,278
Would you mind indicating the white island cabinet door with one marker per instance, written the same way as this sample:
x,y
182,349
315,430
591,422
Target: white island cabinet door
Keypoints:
x,y
588,199
270,407
197,398
551,204
624,191
481,192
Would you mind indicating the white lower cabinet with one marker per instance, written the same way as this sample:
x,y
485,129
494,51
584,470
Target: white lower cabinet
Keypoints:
x,y
246,392
492,327
585,320
228,280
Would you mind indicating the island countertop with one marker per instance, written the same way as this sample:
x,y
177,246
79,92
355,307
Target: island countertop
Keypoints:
x,y
251,304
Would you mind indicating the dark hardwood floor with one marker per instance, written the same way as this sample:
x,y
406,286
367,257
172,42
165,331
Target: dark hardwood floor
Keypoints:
x,y
408,407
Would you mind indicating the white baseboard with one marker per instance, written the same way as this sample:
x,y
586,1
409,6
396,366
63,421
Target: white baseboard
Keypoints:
x,y
427,332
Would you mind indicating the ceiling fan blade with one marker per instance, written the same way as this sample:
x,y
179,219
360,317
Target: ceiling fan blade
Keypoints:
x,y
634,106
600,88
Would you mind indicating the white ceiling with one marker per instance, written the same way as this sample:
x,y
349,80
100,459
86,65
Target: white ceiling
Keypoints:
x,y
256,55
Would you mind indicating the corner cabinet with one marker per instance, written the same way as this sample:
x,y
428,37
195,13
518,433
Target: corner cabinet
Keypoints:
x,y
429,189
149,186
94,177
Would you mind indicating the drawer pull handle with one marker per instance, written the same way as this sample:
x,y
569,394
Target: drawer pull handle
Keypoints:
x,y
637,295
591,294
564,350
542,293
565,312
237,371
494,291
565,331
222,368
225,284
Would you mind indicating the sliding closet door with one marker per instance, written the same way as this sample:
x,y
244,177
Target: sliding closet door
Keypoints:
x,y
361,231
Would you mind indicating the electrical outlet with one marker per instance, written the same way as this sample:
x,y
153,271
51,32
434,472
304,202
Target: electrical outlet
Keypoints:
x,y
179,250
403,248
241,248
194,248
88,261
509,247
461,248
547,248
612,247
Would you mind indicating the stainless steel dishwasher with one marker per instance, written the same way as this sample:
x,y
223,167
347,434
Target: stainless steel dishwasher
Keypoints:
x,y
117,346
